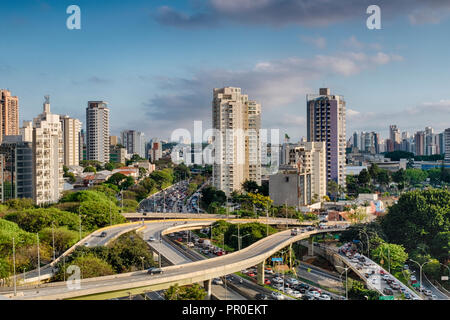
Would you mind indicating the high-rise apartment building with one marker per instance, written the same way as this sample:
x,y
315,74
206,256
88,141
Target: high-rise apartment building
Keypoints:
x,y
419,141
71,129
27,131
447,144
237,148
134,142
16,168
113,140
48,156
154,150
97,131
326,122
9,110
310,157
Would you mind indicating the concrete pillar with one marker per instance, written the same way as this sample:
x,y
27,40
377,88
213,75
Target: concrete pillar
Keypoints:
x,y
310,247
260,273
159,259
207,286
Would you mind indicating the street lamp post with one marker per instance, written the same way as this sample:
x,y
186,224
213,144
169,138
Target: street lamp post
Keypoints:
x,y
14,264
53,240
79,216
420,270
346,280
39,259
267,219
142,259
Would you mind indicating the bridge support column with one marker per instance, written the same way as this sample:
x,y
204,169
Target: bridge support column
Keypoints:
x,y
260,273
310,247
207,286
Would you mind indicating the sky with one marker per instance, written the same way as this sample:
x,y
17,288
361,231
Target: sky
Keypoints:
x,y
156,62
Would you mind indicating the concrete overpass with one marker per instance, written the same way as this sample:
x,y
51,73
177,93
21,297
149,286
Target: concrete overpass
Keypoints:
x,y
184,274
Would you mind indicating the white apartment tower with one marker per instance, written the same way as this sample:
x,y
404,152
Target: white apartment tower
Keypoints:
x,y
48,181
97,131
27,131
71,129
237,147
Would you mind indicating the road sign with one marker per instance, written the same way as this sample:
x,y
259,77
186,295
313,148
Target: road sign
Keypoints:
x,y
336,236
356,241
386,298
444,278
416,285
277,259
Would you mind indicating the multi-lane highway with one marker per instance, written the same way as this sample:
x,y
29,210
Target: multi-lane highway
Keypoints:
x,y
139,282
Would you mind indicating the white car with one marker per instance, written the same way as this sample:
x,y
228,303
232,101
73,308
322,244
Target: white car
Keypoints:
x,y
217,281
433,297
277,280
315,294
278,286
288,290
296,294
293,281
324,296
427,292
277,296
386,277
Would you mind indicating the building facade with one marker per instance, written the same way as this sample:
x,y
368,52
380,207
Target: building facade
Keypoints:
x,y
326,122
27,131
71,129
97,131
16,168
237,148
447,145
155,150
9,109
134,142
48,157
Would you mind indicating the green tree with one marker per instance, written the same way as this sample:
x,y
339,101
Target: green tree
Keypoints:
x,y
363,177
91,266
418,217
64,238
415,176
96,214
250,186
388,254
90,169
333,189
192,292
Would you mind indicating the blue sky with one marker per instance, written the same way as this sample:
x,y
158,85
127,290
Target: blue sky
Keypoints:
x,y
156,62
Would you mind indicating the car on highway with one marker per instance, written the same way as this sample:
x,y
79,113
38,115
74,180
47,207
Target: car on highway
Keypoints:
x,y
277,280
217,281
267,281
288,290
388,292
324,296
152,239
407,295
154,271
278,286
277,296
314,294
427,292
296,294
261,296
433,297
292,281
103,234
86,244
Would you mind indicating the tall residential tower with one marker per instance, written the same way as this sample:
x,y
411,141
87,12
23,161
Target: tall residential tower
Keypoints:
x,y
326,122
97,131
237,149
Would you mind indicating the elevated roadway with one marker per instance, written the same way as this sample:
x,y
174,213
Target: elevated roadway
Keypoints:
x,y
187,273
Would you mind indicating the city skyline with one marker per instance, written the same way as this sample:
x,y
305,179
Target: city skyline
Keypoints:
x,y
164,74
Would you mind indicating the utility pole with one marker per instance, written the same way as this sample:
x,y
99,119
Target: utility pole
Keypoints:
x,y
286,214
267,219
14,263
53,239
79,216
39,259
110,216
